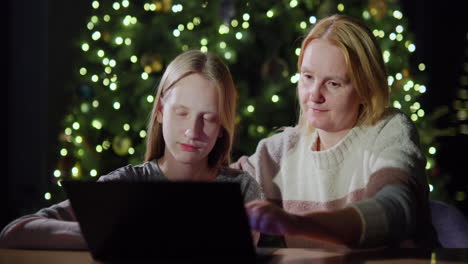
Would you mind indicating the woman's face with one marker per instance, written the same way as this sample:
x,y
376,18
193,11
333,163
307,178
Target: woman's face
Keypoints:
x,y
328,99
190,120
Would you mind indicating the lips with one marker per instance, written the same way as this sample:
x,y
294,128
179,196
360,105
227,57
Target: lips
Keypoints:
x,y
315,109
189,147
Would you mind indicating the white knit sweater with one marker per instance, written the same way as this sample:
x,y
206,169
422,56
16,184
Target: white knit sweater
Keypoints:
x,y
379,170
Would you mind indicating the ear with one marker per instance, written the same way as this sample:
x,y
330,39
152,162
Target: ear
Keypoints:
x,y
159,112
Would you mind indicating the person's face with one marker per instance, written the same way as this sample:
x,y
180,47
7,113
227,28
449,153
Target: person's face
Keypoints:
x,y
190,121
327,96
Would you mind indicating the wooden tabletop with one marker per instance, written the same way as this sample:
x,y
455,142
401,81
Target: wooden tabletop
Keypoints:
x,y
281,255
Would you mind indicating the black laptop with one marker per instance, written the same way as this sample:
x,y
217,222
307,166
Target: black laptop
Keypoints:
x,y
162,220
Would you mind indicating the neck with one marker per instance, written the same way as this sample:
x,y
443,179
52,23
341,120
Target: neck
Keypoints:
x,y
327,140
177,171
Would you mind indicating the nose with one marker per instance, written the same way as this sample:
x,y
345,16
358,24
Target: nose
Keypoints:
x,y
314,93
193,129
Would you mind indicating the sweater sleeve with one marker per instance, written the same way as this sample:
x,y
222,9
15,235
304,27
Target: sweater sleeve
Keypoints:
x,y
264,164
54,227
397,209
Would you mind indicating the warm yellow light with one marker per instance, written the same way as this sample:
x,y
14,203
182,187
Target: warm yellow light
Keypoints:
x,y
126,127
250,108
312,19
85,46
432,150
131,151
397,14
76,125
47,196
63,152
150,98
99,148
142,133
297,51
83,71
303,25
223,29
340,7
75,171
96,35
118,40
293,3
275,98
96,124
234,23
422,66
295,78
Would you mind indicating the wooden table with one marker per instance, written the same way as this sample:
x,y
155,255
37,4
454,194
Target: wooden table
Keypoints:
x,y
282,255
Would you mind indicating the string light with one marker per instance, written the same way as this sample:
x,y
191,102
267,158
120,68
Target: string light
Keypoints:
x,y
340,7
293,3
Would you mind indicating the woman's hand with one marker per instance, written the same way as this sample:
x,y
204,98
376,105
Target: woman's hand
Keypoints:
x,y
239,162
268,218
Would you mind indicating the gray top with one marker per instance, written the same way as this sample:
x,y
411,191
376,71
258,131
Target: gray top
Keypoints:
x,y
150,171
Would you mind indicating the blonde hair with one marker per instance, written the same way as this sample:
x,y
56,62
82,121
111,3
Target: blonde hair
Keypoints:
x,y
364,62
211,67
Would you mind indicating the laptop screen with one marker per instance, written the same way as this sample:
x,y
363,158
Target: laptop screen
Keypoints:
x,y
161,219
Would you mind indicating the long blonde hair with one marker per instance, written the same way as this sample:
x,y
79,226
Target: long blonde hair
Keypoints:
x,y
211,67
364,62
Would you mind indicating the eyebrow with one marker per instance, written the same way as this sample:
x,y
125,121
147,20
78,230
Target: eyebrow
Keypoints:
x,y
332,77
180,106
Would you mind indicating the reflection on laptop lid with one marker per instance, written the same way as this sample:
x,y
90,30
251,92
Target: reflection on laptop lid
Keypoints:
x,y
149,220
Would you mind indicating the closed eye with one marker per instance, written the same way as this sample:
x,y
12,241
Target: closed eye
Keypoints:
x,y
210,118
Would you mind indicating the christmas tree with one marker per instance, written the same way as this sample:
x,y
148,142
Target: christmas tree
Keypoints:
x,y
126,46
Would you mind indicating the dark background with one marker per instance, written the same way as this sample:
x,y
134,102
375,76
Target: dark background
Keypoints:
x,y
41,55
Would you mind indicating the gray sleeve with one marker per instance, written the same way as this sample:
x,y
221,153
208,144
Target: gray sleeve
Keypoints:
x,y
388,217
250,188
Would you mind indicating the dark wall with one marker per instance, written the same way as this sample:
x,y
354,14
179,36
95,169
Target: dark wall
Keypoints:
x,y
40,60
27,104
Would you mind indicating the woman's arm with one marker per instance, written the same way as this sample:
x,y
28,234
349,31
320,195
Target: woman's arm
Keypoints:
x,y
54,227
341,226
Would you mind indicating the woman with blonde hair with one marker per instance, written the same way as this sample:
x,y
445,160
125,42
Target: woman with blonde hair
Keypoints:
x,y
190,134
352,171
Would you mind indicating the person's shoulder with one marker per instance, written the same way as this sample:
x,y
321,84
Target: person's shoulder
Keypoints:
x,y
284,136
394,121
231,173
394,127
249,186
234,175
131,172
